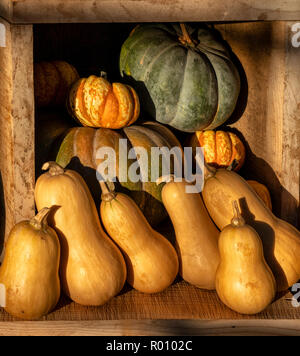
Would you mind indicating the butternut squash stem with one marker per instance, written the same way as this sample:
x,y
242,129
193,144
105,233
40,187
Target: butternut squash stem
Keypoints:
x,y
165,179
53,168
39,221
107,195
237,220
232,166
209,171
186,37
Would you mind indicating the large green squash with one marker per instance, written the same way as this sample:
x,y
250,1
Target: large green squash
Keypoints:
x,y
79,148
184,75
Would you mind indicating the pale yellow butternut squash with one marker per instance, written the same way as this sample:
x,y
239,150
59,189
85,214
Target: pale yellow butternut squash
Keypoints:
x,y
196,234
92,269
244,281
280,239
30,269
151,260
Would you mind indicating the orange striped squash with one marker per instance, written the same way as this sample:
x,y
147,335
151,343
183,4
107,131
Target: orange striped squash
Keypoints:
x,y
220,148
95,102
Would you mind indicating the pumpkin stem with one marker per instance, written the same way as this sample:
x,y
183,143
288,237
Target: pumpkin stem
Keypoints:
x,y
103,74
209,171
165,179
107,194
40,220
237,220
233,165
54,168
185,38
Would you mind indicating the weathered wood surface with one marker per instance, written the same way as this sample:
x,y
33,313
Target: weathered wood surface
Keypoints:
x,y
51,11
152,328
16,125
268,113
180,310
178,302
290,175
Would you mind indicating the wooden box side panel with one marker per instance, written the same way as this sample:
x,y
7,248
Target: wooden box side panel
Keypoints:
x,y
267,116
16,125
63,11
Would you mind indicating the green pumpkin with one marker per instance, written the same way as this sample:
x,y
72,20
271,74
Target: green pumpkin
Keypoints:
x,y
78,151
184,75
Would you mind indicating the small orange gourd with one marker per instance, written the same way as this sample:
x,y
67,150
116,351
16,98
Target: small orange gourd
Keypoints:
x,y
95,102
221,148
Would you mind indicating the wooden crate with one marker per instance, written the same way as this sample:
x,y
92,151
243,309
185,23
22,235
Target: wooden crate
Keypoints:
x,y
267,118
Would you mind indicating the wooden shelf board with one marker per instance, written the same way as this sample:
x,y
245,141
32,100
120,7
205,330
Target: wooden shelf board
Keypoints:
x,y
180,301
55,11
180,310
153,328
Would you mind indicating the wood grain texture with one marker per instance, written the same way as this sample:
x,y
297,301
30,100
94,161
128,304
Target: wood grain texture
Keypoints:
x,y
6,9
152,328
179,302
51,11
266,114
290,174
17,124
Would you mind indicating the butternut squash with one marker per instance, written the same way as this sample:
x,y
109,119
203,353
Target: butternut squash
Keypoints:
x,y
92,269
281,240
196,235
244,281
30,269
262,192
152,262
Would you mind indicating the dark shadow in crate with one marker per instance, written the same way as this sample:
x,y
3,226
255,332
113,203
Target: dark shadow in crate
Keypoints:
x,y
63,302
64,246
51,126
91,48
2,215
147,107
243,94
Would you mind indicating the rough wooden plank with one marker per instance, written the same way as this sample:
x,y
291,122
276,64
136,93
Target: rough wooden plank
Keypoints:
x,y
6,9
17,124
290,176
180,301
48,11
153,328
266,112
